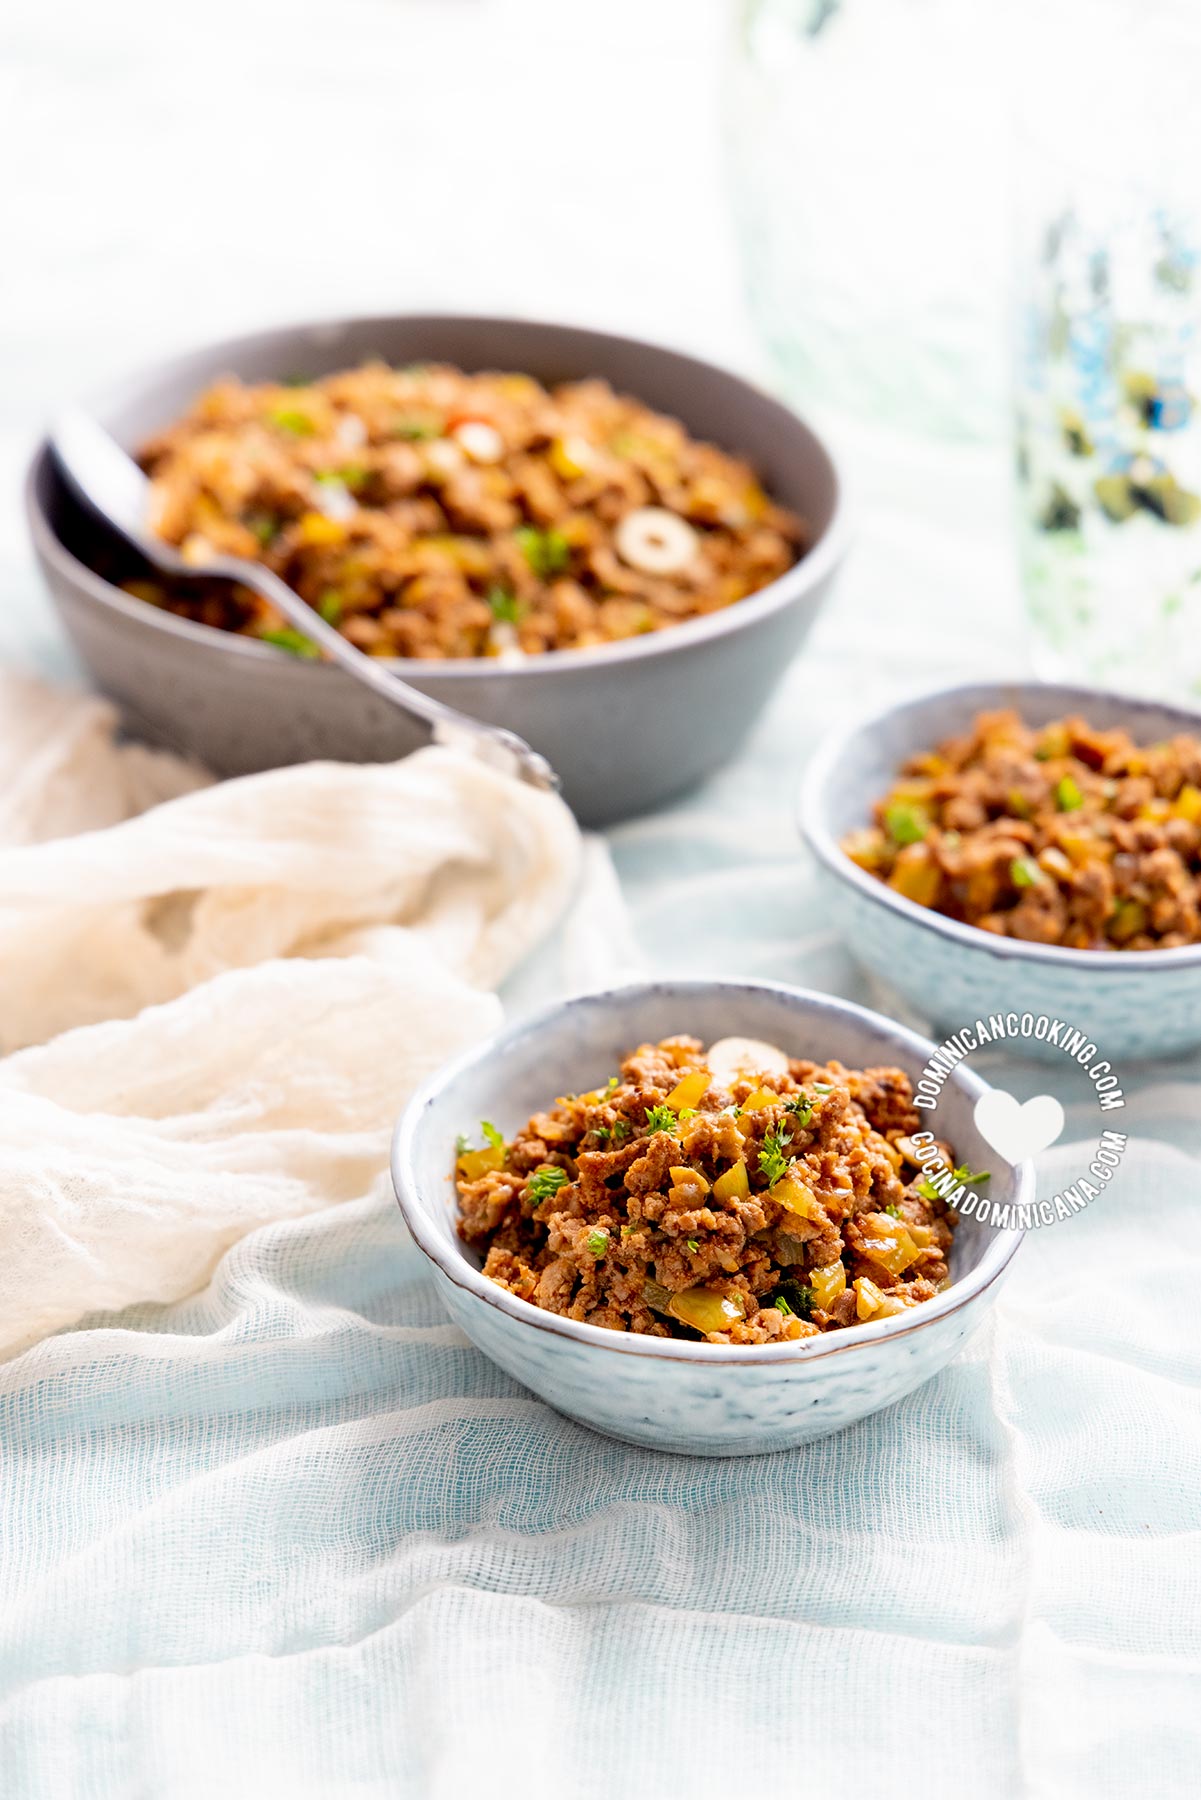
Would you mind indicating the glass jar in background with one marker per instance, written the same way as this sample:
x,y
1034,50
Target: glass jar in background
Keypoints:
x,y
1108,345
867,150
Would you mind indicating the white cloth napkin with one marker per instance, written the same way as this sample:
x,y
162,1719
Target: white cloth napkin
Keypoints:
x,y
219,996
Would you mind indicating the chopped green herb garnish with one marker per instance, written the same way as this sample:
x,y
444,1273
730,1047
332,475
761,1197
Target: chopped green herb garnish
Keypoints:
x,y
265,526
964,1174
416,427
801,1107
905,823
545,1182
621,1129
660,1118
1068,797
894,1212
492,1135
693,1244
294,642
462,1144
292,420
822,1087
782,1306
772,1160
506,607
797,1298
351,477
1024,872
613,1082
329,605
927,1189
547,552
598,1243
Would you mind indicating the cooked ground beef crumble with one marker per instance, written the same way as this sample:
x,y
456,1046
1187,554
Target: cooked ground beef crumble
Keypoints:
x,y
429,513
744,1204
1058,834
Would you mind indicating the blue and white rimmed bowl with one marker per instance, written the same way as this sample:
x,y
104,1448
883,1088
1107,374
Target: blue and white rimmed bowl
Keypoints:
x,y
697,1398
1130,1004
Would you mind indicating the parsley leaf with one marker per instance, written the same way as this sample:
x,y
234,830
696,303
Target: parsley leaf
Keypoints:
x,y
492,1135
797,1298
772,1160
660,1118
906,824
693,1245
506,607
598,1242
545,1182
547,552
801,1107
894,1212
1068,797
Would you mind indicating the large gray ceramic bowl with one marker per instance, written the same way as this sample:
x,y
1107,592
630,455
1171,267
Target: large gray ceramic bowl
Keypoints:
x,y
626,727
1141,1003
706,1399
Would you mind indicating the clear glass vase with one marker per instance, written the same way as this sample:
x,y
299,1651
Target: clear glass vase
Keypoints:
x,y
867,157
1108,266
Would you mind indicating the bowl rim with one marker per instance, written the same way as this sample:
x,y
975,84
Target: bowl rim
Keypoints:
x,y
823,771
816,566
454,1265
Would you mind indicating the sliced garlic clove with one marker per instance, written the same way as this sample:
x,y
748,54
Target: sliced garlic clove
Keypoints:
x,y
350,433
335,500
655,541
481,441
740,1058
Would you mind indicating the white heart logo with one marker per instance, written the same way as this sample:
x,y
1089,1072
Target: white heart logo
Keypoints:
x,y
1016,1131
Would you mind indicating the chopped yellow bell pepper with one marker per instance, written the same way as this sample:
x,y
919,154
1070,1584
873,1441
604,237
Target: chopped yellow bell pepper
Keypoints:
x,y
705,1309
1129,919
474,1163
869,1301
827,1283
887,1241
792,1194
1187,804
684,1177
315,529
916,875
734,1184
689,1090
761,1098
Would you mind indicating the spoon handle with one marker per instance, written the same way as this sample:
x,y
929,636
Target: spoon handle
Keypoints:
x,y
109,481
501,748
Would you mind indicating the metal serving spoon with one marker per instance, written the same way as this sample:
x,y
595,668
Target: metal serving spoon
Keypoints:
x,y
111,483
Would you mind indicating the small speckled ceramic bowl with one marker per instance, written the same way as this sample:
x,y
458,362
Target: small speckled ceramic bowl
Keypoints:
x,y
1130,1004
697,1398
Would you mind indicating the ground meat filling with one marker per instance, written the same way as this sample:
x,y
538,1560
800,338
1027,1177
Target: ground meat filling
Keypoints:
x,y
429,513
1059,834
765,1207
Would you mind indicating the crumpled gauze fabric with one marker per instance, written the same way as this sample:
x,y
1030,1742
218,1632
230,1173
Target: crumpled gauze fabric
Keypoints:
x,y
227,996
